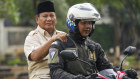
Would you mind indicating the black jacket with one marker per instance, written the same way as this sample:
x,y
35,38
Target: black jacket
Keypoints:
x,y
86,50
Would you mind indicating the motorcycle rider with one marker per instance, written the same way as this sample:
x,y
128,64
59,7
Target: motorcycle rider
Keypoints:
x,y
81,20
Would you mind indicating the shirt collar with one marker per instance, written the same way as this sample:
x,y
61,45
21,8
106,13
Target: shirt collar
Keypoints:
x,y
44,32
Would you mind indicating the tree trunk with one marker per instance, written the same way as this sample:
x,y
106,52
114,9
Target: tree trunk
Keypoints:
x,y
117,34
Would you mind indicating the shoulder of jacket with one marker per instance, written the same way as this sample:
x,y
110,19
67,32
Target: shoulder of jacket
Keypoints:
x,y
33,32
62,45
93,42
57,42
90,41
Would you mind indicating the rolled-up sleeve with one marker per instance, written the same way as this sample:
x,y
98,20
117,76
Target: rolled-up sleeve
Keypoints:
x,y
30,45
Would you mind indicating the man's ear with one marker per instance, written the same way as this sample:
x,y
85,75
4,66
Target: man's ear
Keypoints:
x,y
36,18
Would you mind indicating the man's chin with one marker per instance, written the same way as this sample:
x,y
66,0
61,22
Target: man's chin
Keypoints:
x,y
49,27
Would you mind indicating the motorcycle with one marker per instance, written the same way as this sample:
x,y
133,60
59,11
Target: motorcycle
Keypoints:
x,y
122,73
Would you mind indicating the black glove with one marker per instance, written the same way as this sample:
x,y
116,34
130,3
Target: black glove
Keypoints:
x,y
79,77
131,73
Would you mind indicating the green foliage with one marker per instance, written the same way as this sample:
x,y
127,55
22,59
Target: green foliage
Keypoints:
x,y
1,59
103,34
13,62
26,9
16,62
72,2
132,63
9,9
61,13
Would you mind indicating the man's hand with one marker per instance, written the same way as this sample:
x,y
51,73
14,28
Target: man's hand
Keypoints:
x,y
60,36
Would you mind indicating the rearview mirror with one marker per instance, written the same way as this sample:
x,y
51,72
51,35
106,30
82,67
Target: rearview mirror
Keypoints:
x,y
68,54
129,50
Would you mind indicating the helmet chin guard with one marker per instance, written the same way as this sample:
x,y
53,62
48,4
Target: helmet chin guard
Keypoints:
x,y
83,11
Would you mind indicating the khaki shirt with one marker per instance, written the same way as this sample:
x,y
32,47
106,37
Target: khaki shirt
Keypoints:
x,y
34,40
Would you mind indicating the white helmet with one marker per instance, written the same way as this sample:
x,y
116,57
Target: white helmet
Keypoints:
x,y
83,11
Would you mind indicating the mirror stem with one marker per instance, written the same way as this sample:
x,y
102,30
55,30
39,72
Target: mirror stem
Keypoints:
x,y
122,62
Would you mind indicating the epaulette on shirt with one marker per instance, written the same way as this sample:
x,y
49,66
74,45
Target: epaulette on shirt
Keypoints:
x,y
33,32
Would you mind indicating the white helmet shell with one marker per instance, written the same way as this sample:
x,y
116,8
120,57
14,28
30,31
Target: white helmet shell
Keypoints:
x,y
83,11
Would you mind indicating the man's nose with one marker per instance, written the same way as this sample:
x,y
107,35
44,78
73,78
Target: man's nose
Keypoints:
x,y
48,18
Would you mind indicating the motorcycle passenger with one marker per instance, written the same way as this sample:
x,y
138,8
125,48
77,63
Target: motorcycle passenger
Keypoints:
x,y
38,41
81,20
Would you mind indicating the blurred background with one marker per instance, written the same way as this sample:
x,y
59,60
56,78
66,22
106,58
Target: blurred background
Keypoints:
x,y
118,28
